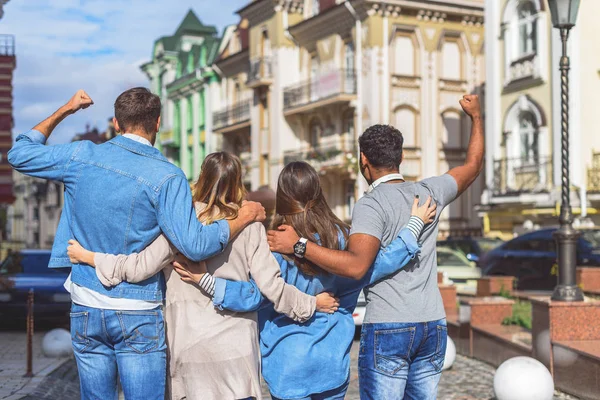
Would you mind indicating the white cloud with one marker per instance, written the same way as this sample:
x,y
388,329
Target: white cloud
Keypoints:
x,y
96,45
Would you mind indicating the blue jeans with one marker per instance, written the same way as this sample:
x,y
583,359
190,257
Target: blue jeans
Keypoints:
x,y
130,343
333,394
401,360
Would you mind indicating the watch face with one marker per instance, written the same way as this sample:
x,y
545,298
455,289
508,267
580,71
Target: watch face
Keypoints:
x,y
298,248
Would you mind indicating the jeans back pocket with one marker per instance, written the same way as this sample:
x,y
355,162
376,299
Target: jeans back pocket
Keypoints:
x,y
141,329
440,351
392,349
79,339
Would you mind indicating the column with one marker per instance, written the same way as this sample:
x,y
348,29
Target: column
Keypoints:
x,y
184,160
197,157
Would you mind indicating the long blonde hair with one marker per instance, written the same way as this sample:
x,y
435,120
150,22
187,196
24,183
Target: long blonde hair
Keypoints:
x,y
220,187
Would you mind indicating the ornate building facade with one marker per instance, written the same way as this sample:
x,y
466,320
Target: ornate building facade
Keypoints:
x,y
179,72
304,78
523,128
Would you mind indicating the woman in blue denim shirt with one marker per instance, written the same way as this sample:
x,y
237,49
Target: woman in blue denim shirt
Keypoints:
x,y
311,360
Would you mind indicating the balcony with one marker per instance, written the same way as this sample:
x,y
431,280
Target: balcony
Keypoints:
x,y
337,86
517,176
594,174
335,154
261,73
232,118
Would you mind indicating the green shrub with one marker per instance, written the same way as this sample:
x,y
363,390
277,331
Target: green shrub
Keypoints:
x,y
521,315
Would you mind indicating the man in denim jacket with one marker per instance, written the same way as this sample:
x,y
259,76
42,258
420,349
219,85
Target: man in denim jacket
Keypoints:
x,y
119,196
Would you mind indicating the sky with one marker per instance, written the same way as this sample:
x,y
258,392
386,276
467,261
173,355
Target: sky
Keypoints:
x,y
94,45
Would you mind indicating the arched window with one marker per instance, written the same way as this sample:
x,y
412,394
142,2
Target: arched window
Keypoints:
x,y
403,56
527,28
529,138
405,120
452,129
451,60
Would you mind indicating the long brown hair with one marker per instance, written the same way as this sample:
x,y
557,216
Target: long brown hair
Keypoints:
x,y
220,187
301,204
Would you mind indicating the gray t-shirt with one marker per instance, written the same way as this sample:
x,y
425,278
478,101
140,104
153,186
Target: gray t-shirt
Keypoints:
x,y
412,294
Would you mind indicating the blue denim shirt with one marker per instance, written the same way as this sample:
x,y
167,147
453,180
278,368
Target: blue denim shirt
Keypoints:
x,y
317,351
119,196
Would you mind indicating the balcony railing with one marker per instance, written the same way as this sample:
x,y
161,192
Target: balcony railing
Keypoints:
x,y
7,45
323,86
338,153
594,174
261,72
517,175
236,114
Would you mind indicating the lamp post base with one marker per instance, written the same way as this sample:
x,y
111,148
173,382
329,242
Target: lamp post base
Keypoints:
x,y
567,293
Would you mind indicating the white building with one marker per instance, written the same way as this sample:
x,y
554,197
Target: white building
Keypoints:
x,y
523,103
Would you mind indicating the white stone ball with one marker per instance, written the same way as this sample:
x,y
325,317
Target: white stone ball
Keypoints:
x,y
57,343
523,378
562,357
450,354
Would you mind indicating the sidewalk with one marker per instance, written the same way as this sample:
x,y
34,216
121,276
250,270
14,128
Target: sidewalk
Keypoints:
x,y
13,365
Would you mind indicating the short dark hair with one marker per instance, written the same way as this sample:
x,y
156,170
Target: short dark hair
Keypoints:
x,y
382,145
137,108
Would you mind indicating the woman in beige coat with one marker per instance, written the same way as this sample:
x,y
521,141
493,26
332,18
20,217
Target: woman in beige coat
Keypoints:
x,y
213,354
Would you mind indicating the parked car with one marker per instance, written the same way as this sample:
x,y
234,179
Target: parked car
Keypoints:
x,y
532,258
458,269
28,269
472,247
359,311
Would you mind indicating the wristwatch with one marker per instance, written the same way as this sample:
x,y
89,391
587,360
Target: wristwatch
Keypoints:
x,y
300,248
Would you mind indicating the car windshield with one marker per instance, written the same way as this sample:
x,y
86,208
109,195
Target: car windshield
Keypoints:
x,y
28,263
592,237
487,244
449,259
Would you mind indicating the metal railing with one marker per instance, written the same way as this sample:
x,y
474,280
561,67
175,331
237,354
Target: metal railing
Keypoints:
x,y
328,154
7,45
520,175
260,68
322,86
594,174
237,113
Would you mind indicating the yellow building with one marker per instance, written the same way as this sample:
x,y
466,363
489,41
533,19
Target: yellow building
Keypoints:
x,y
317,73
523,164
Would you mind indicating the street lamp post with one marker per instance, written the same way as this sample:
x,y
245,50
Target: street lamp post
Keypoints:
x,y
564,15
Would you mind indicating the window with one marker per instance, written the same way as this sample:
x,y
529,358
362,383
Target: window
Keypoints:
x,y
449,259
403,56
350,198
315,7
349,124
349,57
452,130
405,121
527,28
529,138
451,60
315,132
36,214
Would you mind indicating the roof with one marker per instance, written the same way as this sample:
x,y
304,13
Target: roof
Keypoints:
x,y
190,25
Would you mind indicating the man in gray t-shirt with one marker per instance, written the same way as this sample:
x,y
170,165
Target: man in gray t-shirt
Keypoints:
x,y
403,340
412,294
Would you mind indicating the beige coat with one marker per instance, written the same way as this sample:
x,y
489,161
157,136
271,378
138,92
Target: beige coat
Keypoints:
x,y
212,354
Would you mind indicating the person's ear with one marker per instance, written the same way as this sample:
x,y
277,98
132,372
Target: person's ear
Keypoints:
x,y
116,125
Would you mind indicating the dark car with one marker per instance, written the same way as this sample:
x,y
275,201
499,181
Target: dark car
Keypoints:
x,y
28,269
472,247
532,258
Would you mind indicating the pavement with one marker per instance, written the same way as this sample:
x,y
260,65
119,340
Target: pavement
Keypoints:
x,y
57,379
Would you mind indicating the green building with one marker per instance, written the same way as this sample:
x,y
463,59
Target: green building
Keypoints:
x,y
180,73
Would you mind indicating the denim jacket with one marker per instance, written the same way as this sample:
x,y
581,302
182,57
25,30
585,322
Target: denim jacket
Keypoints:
x,y
293,353
119,196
